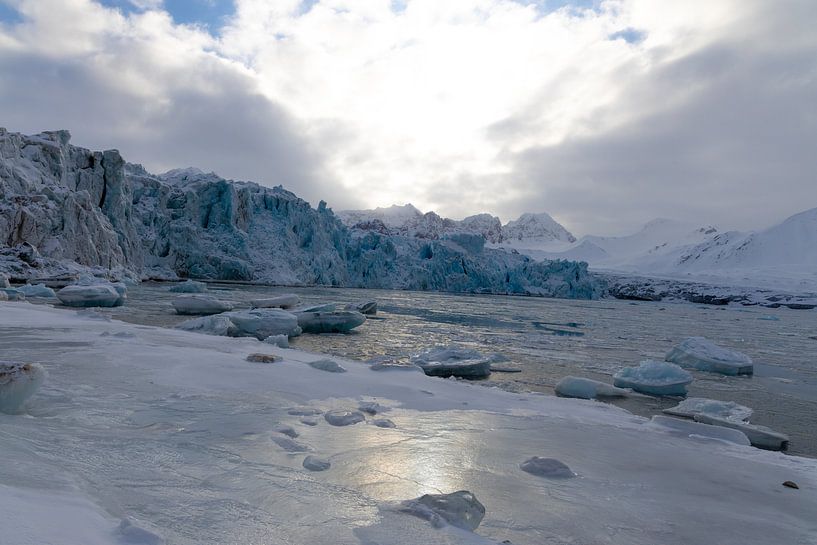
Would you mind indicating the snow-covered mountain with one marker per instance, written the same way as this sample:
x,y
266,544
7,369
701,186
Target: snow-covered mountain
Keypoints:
x,y
65,209
530,230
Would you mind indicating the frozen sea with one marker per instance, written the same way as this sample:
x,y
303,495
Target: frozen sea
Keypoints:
x,y
551,338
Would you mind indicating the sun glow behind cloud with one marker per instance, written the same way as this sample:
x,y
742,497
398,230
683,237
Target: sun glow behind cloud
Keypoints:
x,y
584,109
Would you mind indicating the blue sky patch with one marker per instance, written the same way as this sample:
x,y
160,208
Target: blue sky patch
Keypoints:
x,y
629,35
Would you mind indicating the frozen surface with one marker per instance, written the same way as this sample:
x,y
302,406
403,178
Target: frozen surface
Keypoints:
x,y
655,378
728,410
586,388
702,354
172,429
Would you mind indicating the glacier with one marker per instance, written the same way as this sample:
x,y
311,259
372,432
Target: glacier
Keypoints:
x,y
67,211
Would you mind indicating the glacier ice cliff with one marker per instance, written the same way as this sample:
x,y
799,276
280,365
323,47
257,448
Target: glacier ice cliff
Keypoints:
x,y
68,210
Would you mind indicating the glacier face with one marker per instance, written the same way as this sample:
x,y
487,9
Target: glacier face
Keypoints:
x,y
65,209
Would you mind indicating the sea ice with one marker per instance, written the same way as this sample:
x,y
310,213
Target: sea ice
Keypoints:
x,y
13,294
339,321
200,304
586,388
328,365
95,295
704,355
728,410
18,382
132,534
303,411
759,436
38,290
372,407
191,286
688,428
461,509
550,468
344,418
322,307
308,421
364,307
313,463
654,378
448,361
287,300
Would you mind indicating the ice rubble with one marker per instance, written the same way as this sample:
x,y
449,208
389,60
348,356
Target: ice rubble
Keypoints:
x,y
728,410
66,210
195,304
339,321
190,286
654,378
448,361
286,301
18,382
586,388
704,355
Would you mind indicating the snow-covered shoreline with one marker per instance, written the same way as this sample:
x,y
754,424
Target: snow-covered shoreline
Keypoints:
x,y
155,406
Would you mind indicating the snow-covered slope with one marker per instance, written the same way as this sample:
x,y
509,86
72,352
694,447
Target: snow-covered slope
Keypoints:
x,y
535,228
66,209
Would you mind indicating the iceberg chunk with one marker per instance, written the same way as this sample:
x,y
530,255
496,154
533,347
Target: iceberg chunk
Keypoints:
x,y
550,468
313,463
704,355
341,417
18,382
200,304
586,388
759,436
37,290
191,286
654,378
450,361
281,341
264,322
94,295
287,300
461,509
330,366
218,324
339,321
728,410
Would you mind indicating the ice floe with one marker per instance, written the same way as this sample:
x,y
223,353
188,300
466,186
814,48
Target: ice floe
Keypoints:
x,y
368,307
451,361
654,378
287,300
704,355
586,388
281,341
689,428
383,423
37,290
342,417
327,365
103,294
200,304
759,436
340,321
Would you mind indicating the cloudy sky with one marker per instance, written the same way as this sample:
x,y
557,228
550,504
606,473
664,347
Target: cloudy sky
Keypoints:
x,y
605,114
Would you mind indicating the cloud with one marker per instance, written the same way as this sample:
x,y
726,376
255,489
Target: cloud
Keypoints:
x,y
604,114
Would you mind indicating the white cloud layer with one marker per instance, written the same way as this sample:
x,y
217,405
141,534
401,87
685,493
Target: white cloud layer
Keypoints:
x,y
458,106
